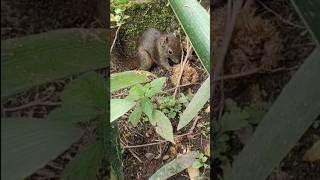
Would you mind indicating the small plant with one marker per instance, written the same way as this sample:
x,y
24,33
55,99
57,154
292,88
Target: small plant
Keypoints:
x,y
205,129
171,106
141,95
200,162
118,17
234,119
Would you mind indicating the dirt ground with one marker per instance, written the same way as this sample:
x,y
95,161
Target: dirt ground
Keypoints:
x,y
248,87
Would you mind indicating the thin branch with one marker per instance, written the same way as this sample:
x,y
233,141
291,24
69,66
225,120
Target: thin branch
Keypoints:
x,y
232,12
254,71
115,38
189,51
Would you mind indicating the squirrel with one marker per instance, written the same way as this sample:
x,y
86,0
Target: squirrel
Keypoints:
x,y
154,47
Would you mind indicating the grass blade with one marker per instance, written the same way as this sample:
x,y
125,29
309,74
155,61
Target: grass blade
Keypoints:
x,y
177,165
195,21
289,117
196,104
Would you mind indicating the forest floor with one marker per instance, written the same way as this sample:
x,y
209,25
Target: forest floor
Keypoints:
x,y
267,48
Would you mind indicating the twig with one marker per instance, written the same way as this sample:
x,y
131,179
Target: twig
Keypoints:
x,y
144,145
279,16
254,71
34,103
115,38
194,124
154,143
183,85
181,69
233,10
133,153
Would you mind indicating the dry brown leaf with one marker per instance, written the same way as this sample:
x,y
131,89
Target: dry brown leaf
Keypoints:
x,y
193,173
313,154
207,150
207,109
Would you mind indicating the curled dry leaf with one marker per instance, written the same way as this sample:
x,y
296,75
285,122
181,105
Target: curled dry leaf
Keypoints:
x,y
189,75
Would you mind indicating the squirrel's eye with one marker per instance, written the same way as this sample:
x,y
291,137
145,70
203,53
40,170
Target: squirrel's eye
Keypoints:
x,y
170,51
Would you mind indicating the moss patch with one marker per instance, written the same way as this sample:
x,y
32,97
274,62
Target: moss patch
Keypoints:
x,y
154,14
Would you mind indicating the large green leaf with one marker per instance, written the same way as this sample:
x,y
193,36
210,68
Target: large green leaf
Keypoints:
x,y
27,144
195,21
119,107
85,165
128,78
44,57
180,163
83,99
163,125
196,104
287,120
309,11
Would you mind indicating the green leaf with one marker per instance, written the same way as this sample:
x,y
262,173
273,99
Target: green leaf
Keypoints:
x,y
287,120
128,78
85,165
136,93
234,120
27,144
147,107
196,104
36,59
163,125
155,86
135,116
180,163
197,164
83,99
119,107
195,21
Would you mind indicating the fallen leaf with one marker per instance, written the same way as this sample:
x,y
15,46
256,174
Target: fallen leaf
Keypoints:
x,y
193,173
313,154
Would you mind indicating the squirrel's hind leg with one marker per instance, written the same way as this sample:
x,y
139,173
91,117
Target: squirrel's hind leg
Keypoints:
x,y
145,60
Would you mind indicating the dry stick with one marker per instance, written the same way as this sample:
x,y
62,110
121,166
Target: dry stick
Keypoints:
x,y
154,143
194,124
115,38
231,20
254,71
34,103
233,10
181,69
279,16
133,153
183,85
